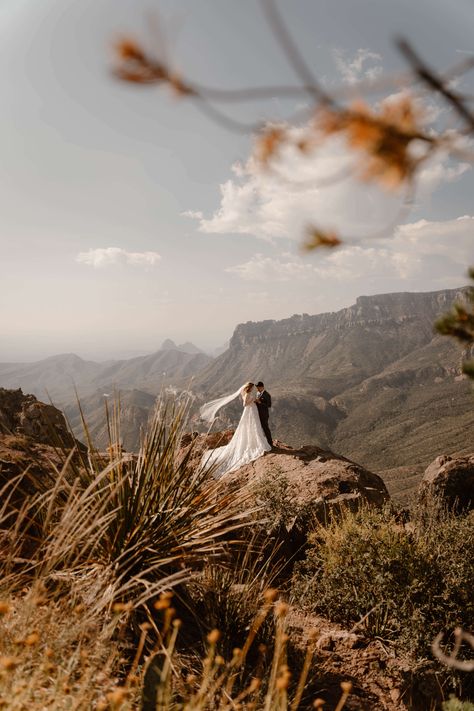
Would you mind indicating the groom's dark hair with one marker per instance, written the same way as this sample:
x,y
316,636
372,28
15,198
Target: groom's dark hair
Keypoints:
x,y
260,384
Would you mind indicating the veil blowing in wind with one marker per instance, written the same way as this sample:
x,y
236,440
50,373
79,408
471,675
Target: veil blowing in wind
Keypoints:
x,y
209,410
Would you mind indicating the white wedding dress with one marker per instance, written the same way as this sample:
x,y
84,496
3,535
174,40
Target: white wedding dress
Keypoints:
x,y
247,444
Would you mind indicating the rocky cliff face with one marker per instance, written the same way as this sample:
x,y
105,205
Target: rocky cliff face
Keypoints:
x,y
329,350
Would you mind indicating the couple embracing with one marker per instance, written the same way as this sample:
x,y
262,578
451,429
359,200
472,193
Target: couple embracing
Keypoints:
x,y
251,439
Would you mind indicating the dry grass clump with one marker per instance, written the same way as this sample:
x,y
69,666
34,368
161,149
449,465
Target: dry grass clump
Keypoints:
x,y
219,683
455,705
227,594
54,654
57,654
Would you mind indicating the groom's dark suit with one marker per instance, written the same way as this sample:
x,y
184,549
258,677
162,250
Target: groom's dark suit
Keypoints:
x,y
264,401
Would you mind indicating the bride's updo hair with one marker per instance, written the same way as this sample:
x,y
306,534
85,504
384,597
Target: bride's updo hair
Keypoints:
x,y
247,387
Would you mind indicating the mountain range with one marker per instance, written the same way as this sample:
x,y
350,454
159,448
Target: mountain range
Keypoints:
x,y
372,382
58,377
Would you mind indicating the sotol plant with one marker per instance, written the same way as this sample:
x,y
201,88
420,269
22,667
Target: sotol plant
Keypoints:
x,y
140,522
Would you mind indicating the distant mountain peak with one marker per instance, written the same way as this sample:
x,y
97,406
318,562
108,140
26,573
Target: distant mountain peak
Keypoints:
x,y
168,345
188,347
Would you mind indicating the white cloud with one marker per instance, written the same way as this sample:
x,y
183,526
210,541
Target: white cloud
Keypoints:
x,y
439,171
441,250
319,189
435,253
365,64
193,214
271,206
108,256
272,269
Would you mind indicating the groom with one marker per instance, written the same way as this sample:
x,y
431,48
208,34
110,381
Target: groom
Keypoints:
x,y
264,401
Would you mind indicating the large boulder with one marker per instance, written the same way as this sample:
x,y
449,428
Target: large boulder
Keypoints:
x,y
451,479
316,478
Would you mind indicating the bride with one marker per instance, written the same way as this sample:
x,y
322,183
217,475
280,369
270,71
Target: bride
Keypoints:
x,y
248,442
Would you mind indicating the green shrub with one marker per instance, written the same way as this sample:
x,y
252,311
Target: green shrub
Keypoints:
x,y
404,583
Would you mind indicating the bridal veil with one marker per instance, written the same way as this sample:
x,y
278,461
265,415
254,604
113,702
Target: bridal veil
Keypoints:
x,y
209,409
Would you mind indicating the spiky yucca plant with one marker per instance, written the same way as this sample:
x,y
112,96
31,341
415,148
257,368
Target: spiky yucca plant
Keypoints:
x,y
145,521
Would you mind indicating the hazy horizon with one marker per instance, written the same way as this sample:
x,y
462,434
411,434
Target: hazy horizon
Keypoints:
x,y
127,217
124,353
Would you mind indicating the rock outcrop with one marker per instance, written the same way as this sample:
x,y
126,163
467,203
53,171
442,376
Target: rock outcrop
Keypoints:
x,y
315,479
452,479
25,416
34,441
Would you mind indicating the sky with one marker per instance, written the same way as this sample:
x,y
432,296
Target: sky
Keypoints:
x,y
128,217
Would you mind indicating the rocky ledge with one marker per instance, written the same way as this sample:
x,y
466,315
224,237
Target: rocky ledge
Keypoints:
x,y
314,477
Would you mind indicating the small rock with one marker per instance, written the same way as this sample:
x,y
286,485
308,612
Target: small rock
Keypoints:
x,y
394,695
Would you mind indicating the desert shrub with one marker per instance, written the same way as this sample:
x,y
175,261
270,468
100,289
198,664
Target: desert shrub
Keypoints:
x,y
281,511
403,583
274,494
